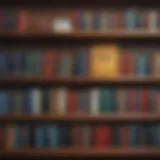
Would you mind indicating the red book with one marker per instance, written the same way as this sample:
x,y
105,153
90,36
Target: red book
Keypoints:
x,y
22,20
143,100
127,63
131,100
102,136
71,101
158,101
75,19
48,63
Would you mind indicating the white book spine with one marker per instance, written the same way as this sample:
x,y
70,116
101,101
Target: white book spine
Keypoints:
x,y
61,100
94,101
37,101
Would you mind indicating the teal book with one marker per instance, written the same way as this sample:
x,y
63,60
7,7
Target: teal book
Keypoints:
x,y
105,100
52,135
130,19
96,20
39,136
141,64
133,135
16,136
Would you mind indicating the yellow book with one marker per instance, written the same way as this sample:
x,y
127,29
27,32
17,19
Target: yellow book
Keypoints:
x,y
104,60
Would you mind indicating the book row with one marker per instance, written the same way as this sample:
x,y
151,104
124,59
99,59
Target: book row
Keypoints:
x,y
80,19
60,135
96,61
93,100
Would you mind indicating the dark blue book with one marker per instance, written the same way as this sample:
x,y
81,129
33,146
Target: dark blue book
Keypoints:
x,y
141,64
28,101
4,64
39,136
17,63
64,136
80,62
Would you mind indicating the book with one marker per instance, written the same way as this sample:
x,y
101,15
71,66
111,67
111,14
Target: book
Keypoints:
x,y
103,61
4,69
39,136
94,101
48,63
156,65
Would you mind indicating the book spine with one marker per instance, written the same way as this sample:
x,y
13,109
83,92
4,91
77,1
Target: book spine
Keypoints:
x,y
71,101
39,136
94,101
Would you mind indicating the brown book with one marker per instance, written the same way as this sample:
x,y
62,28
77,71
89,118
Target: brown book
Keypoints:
x,y
75,136
86,135
121,100
123,134
53,105
156,65
9,136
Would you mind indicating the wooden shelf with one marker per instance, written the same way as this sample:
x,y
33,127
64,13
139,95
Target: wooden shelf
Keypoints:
x,y
119,117
116,34
78,80
82,152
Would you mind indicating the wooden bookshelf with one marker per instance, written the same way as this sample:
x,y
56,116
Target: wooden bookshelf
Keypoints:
x,y
116,34
82,152
117,117
79,80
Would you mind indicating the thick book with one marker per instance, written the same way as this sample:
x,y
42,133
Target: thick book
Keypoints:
x,y
103,61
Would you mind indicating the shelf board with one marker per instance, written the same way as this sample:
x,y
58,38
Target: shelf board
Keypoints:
x,y
116,34
118,117
82,152
79,80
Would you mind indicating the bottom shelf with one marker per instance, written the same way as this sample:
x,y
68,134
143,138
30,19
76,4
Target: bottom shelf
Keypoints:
x,y
82,152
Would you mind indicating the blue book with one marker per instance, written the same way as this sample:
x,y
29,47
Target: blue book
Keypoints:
x,y
4,64
39,136
17,64
80,62
141,64
133,135
52,135
28,106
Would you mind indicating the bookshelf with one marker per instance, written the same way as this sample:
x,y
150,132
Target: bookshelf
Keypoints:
x,y
78,81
